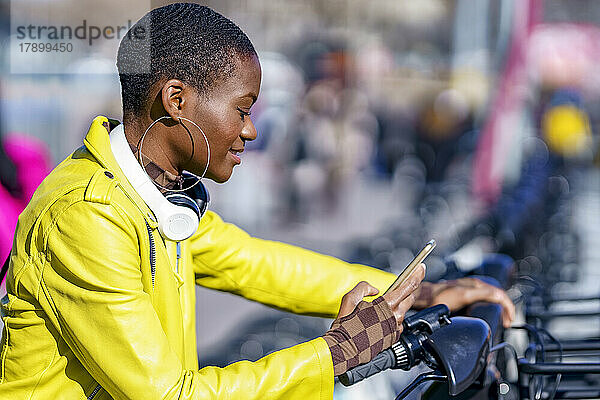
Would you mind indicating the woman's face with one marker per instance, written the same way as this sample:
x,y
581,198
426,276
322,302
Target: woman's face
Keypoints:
x,y
224,118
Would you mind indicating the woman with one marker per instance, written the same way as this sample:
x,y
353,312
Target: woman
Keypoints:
x,y
101,297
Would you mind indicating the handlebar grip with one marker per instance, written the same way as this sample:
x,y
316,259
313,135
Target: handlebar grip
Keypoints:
x,y
382,361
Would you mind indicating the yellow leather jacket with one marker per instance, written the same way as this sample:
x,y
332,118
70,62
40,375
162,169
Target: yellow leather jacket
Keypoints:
x,y
99,306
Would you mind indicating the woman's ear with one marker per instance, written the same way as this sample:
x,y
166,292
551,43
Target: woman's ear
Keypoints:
x,y
173,97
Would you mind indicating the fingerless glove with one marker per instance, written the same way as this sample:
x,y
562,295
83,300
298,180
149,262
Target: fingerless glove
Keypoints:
x,y
359,336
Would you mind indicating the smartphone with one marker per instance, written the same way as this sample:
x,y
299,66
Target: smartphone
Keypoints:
x,y
412,265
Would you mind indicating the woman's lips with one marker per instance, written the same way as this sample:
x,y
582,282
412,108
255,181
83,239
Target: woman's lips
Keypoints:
x,y
235,156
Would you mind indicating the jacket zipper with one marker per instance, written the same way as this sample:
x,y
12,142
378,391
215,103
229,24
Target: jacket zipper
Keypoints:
x,y
152,253
178,256
94,392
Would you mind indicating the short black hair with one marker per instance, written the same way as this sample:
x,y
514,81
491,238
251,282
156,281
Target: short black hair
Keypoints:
x,y
183,41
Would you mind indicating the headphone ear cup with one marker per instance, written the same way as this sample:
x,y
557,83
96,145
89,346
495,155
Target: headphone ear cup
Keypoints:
x,y
200,194
181,217
185,207
182,200
197,192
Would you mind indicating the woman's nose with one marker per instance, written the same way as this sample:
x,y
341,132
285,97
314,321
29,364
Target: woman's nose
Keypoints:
x,y
249,131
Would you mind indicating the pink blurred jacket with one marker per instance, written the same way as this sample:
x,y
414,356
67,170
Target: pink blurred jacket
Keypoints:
x,y
31,159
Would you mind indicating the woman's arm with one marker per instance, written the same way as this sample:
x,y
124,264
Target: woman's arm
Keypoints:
x,y
281,275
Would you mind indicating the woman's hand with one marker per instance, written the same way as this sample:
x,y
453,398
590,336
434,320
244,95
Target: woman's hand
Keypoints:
x,y
400,300
362,330
462,292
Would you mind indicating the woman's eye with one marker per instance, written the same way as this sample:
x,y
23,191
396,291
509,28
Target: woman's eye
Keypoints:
x,y
243,113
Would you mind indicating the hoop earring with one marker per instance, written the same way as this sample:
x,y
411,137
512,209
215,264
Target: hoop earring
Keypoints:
x,y
141,143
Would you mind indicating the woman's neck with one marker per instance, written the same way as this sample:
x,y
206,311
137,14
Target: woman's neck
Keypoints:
x,y
153,160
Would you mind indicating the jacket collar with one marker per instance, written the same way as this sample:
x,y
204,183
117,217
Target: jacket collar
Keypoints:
x,y
98,143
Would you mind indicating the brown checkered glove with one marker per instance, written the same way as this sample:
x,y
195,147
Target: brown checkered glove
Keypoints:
x,y
359,336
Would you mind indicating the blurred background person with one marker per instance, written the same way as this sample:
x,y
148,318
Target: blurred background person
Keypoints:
x,y
24,163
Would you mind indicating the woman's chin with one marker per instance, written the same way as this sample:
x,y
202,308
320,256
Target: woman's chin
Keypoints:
x,y
220,177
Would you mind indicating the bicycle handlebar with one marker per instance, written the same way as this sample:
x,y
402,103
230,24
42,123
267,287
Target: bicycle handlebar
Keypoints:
x,y
382,361
408,351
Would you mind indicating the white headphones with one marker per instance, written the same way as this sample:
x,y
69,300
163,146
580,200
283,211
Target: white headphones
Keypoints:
x,y
178,214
